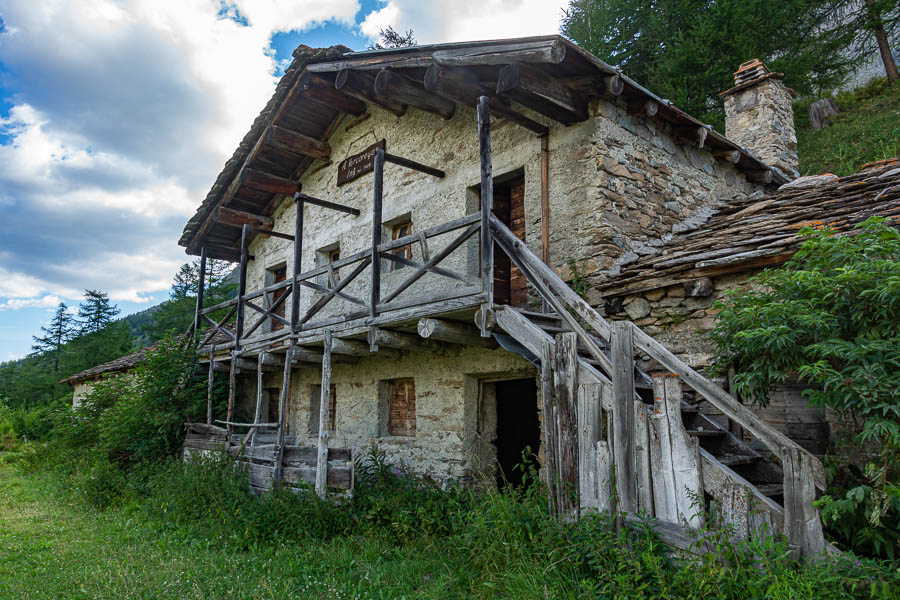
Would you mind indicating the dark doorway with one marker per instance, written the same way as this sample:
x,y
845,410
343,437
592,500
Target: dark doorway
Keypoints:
x,y
509,207
518,428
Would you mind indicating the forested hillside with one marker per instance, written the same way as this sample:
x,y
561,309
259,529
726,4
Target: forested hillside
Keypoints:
x,y
92,334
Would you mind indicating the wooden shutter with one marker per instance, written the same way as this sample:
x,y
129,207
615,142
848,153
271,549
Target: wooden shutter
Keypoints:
x,y
398,231
278,275
402,408
315,399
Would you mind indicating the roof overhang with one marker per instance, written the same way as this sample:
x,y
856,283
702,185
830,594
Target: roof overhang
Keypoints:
x,y
548,75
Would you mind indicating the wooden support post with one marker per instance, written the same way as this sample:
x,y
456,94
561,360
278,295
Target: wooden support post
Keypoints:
x,y
232,384
298,257
259,396
209,388
674,458
283,400
622,357
565,380
605,478
242,289
375,296
487,204
545,205
641,430
324,407
802,524
551,429
589,417
201,286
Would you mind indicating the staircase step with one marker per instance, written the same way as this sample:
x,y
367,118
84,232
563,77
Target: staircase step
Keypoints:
x,y
731,460
706,432
770,489
534,315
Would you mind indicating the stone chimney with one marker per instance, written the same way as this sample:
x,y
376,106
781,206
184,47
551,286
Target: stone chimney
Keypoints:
x,y
759,116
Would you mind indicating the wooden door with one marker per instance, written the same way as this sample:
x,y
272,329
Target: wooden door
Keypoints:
x,y
509,207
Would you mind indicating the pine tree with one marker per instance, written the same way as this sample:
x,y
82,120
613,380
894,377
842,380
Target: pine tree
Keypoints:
x,y
96,312
873,26
391,38
688,50
60,331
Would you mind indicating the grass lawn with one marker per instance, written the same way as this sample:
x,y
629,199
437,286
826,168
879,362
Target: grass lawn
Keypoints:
x,y
50,548
867,129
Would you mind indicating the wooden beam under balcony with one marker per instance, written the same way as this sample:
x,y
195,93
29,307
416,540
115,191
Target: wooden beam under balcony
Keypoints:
x,y
321,90
539,91
267,182
385,338
464,86
453,333
361,85
297,143
220,252
238,218
396,87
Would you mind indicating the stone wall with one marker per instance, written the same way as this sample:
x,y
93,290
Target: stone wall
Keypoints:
x,y
619,186
761,118
448,442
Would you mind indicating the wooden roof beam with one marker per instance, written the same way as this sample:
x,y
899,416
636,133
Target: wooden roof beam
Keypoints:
x,y
295,142
531,87
463,85
643,107
403,341
219,252
541,51
239,218
395,86
321,90
267,182
360,85
691,134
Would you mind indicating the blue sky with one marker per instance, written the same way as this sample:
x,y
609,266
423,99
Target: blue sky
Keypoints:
x,y
117,115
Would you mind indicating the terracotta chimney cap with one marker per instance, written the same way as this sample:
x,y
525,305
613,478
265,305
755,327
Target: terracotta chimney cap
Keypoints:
x,y
749,73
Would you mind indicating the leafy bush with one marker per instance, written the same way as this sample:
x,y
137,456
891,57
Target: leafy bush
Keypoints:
x,y
830,317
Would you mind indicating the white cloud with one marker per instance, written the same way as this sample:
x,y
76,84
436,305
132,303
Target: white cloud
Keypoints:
x,y
48,301
466,20
119,126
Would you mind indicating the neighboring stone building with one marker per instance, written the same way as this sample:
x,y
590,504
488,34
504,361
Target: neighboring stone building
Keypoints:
x,y
384,305
85,381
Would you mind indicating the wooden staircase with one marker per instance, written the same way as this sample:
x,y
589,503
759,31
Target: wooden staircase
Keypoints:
x,y
641,444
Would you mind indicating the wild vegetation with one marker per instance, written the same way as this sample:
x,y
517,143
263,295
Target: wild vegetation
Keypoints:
x,y
830,318
104,508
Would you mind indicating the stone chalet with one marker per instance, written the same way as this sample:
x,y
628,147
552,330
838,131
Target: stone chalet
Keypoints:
x,y
410,225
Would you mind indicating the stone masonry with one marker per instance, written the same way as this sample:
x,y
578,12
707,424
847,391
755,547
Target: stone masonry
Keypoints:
x,y
759,116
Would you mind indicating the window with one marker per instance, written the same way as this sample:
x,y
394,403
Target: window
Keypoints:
x,y
398,231
277,275
315,399
324,257
402,408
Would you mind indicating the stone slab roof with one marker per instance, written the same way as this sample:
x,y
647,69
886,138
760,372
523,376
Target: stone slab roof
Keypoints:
x,y
123,363
756,232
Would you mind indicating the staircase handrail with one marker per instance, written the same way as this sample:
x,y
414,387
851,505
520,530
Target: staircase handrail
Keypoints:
x,y
802,523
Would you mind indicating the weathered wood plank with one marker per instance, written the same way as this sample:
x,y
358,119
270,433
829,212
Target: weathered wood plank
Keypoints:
x,y
540,51
297,143
486,253
398,88
642,459
622,356
324,411
675,458
541,92
551,427
589,418
453,332
565,375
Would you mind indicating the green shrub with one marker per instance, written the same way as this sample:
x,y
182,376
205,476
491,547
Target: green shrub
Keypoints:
x,y
830,315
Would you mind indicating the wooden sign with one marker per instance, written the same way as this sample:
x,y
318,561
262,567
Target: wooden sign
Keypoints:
x,y
354,167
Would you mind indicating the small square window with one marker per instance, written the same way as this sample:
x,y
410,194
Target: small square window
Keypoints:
x,y
398,231
315,402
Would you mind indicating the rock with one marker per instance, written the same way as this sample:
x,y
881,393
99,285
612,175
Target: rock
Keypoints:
x,y
676,291
819,111
613,306
810,181
699,288
654,295
638,309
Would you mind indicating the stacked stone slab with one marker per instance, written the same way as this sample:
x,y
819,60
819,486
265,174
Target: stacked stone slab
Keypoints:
x,y
759,116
